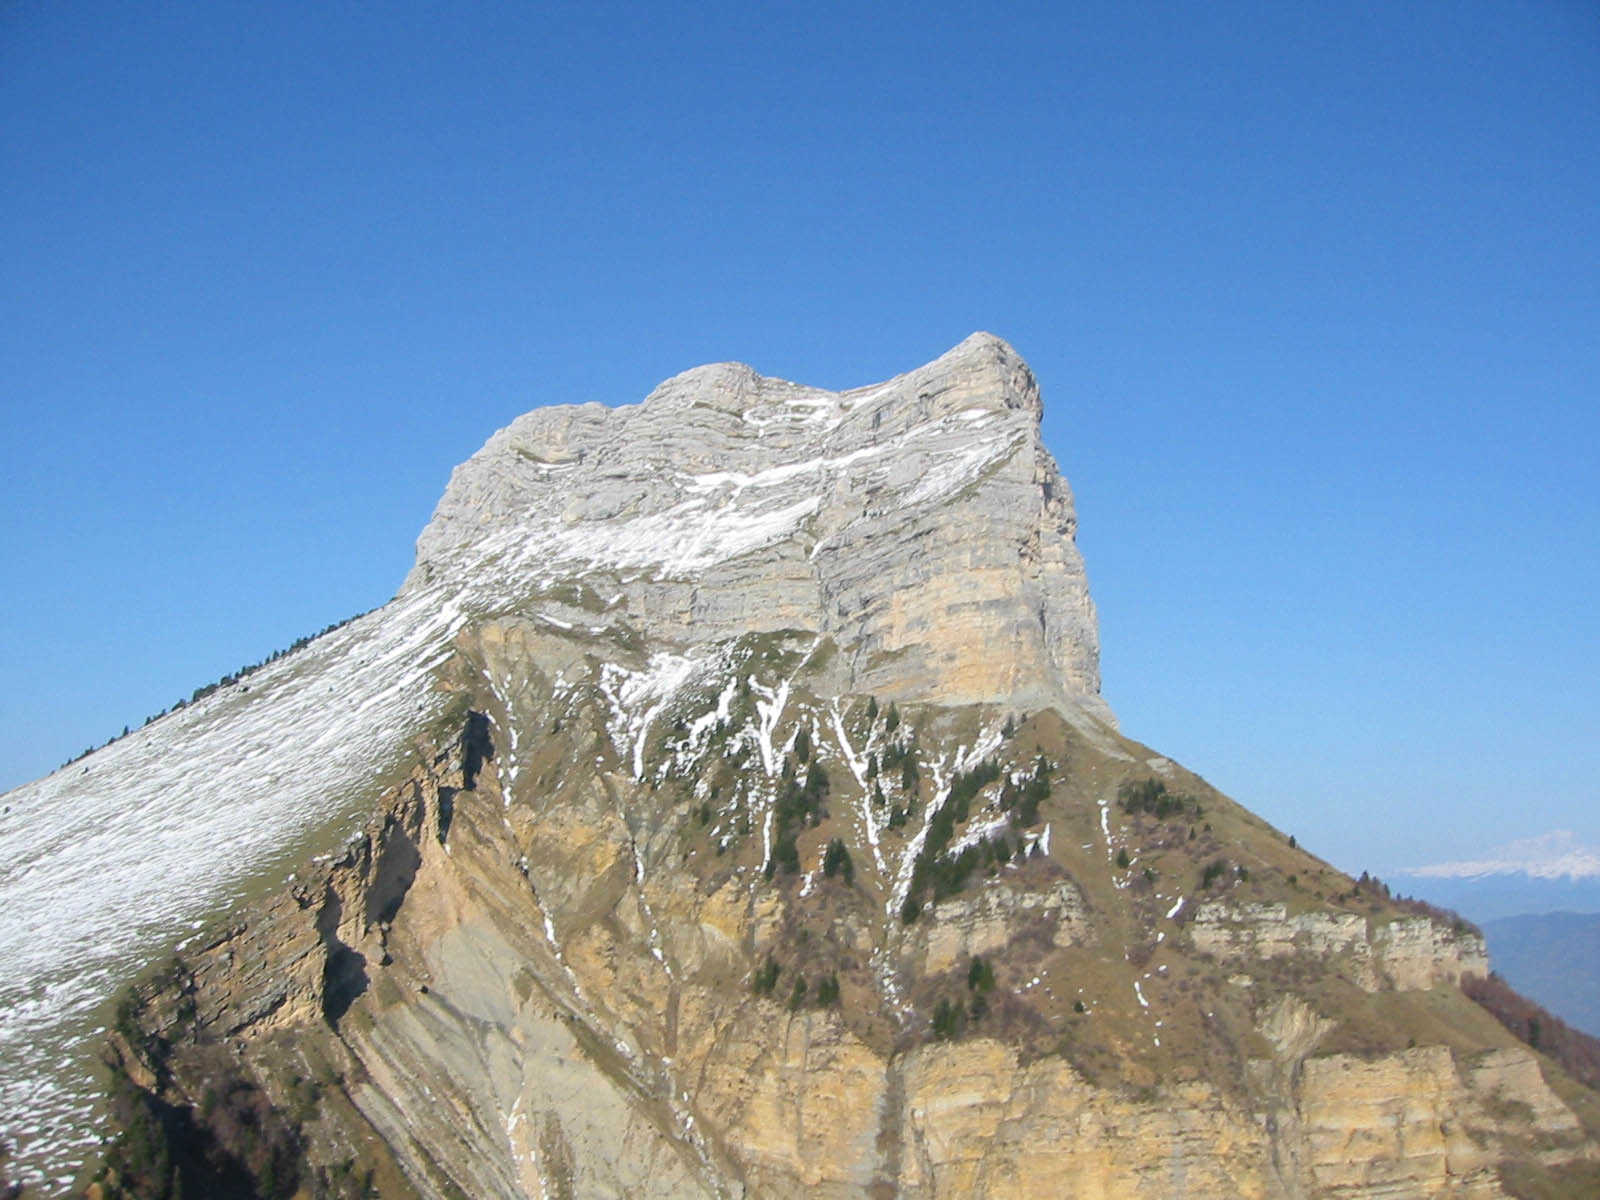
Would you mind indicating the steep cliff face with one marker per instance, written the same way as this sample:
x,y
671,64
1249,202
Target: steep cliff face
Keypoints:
x,y
584,981
920,524
741,818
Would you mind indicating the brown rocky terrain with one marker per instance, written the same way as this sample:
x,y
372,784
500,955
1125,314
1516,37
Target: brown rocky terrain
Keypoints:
x,y
766,836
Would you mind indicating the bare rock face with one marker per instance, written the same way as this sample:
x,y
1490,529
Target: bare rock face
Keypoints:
x,y
1404,953
725,807
919,523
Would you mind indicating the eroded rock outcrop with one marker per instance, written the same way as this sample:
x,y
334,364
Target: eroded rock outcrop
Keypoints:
x,y
1400,952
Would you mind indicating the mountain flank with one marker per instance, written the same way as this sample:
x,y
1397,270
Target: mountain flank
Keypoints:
x,y
1554,960
725,806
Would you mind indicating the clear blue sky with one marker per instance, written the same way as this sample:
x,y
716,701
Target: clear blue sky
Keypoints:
x,y
1313,291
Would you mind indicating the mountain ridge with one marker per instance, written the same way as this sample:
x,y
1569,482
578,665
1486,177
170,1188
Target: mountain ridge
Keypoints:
x,y
739,823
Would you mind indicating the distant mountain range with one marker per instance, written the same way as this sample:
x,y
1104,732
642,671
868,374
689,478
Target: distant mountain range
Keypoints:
x,y
1553,872
1554,855
1554,959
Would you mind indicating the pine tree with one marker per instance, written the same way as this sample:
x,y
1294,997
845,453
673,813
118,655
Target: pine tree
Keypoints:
x,y
837,861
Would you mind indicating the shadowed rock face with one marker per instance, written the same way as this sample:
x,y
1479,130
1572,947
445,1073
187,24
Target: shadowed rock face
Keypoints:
x,y
920,523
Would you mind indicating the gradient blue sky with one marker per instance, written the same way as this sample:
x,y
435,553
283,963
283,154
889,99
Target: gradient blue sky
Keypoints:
x,y
1313,292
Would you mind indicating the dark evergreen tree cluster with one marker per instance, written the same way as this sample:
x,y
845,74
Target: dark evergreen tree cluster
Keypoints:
x,y
836,861
1152,796
798,805
232,1143
938,875
980,982
828,991
949,1020
980,975
765,978
826,994
1023,803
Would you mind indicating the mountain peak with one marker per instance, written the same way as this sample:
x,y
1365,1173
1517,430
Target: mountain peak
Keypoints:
x,y
1554,855
919,523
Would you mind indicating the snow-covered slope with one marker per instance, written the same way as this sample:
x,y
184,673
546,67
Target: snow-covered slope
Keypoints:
x,y
107,859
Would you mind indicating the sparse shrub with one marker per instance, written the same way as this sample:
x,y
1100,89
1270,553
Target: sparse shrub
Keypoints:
x,y
836,861
948,1020
828,991
980,976
765,978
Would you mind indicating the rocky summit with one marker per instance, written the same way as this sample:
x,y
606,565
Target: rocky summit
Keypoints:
x,y
919,526
725,806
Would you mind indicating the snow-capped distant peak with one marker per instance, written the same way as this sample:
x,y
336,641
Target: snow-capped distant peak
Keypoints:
x,y
1554,855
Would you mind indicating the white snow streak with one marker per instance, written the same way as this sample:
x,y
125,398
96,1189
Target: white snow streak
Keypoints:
x,y
858,767
630,693
769,709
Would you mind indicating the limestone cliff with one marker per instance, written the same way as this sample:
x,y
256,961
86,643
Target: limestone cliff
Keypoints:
x,y
920,524
724,807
